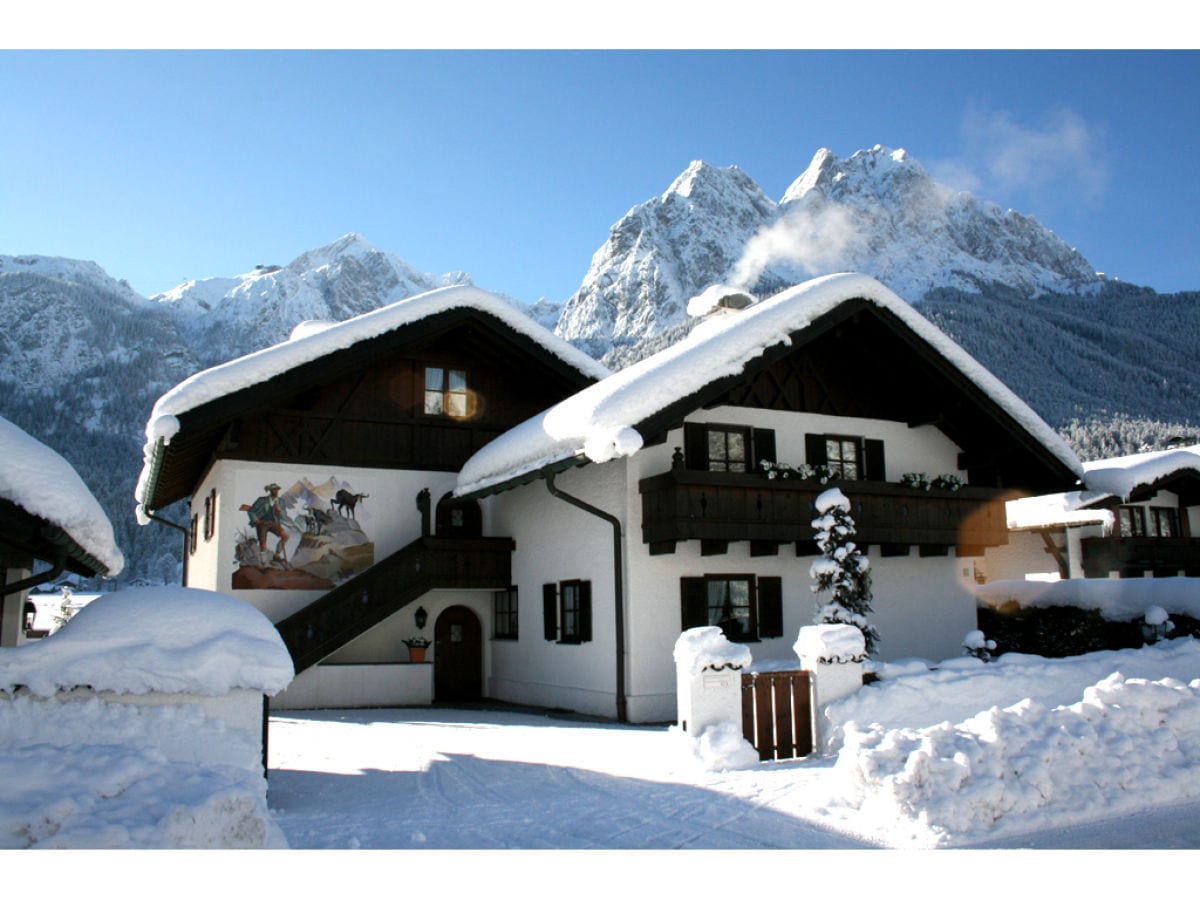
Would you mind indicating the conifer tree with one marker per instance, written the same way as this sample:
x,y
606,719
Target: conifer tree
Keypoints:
x,y
841,569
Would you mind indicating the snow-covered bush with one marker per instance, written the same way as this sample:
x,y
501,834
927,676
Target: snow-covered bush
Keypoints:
x,y
841,569
977,645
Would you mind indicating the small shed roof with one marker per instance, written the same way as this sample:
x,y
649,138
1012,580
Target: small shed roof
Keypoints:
x,y
46,509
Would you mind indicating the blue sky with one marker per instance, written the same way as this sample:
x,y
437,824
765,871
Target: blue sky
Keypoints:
x,y
512,165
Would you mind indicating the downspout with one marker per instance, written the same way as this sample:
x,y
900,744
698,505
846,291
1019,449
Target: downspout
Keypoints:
x,y
618,582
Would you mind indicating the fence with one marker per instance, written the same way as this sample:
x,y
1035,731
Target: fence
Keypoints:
x,y
777,713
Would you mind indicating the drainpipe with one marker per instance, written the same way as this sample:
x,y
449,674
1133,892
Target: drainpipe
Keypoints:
x,y
33,581
186,541
618,582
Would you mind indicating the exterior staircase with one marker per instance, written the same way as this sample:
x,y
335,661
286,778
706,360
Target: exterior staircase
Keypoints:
x,y
345,612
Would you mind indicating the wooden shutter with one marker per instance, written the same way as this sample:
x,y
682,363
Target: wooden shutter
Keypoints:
x,y
770,606
693,593
585,611
873,467
550,612
695,446
764,446
814,449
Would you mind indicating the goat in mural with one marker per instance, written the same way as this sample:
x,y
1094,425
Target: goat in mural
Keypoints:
x,y
317,520
344,502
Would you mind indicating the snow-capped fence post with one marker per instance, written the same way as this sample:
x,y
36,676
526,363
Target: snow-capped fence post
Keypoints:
x,y
834,655
708,678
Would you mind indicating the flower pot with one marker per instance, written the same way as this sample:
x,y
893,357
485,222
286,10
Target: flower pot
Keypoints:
x,y
416,654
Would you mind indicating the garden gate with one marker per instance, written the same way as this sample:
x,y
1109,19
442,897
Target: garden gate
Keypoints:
x,y
777,711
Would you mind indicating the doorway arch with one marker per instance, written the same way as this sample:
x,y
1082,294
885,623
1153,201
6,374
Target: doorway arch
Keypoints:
x,y
457,656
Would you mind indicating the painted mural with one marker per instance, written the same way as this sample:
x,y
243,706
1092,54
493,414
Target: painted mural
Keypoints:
x,y
307,537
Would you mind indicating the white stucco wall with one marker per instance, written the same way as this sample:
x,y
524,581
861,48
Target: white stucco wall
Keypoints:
x,y
559,542
1023,556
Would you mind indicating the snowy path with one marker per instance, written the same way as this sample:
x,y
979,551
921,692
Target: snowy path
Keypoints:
x,y
485,779
446,778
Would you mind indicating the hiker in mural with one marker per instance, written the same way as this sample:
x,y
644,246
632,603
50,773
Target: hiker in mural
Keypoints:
x,y
267,516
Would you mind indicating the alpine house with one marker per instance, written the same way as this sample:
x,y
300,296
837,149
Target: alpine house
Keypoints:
x,y
680,492
470,481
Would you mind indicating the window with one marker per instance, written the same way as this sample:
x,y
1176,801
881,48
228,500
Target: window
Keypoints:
x,y
210,515
504,613
726,448
192,535
843,456
746,608
567,611
1131,521
446,392
848,457
1164,521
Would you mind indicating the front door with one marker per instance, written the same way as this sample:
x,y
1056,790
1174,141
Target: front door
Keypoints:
x,y
457,656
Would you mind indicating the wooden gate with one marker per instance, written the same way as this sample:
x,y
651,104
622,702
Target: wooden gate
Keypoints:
x,y
777,713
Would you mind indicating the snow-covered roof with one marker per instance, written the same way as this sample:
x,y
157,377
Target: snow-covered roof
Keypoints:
x,y
161,639
41,482
308,345
1053,510
597,423
1117,477
1122,475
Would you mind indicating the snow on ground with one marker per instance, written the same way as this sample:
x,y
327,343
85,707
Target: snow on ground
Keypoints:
x,y
1090,760
81,769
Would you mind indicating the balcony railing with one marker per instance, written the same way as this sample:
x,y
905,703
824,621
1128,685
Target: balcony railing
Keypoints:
x,y
1135,555
684,505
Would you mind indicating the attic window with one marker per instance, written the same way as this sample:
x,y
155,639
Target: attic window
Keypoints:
x,y
446,392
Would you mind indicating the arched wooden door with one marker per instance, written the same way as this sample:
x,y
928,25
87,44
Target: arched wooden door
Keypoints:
x,y
457,655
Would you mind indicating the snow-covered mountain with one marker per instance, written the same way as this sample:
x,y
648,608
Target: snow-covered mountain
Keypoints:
x,y
877,212
229,317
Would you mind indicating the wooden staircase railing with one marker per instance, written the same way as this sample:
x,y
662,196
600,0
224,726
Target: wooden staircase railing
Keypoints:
x,y
364,601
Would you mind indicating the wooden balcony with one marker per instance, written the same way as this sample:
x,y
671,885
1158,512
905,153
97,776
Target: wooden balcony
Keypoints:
x,y
685,505
1132,556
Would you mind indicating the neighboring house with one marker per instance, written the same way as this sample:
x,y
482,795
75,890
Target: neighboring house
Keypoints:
x,y
589,524
47,515
1136,516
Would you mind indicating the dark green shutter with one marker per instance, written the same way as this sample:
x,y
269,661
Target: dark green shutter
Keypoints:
x,y
814,449
693,605
770,606
695,446
764,446
585,610
873,466
550,612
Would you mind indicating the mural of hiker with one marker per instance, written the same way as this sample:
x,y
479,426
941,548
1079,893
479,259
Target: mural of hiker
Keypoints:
x,y
268,517
322,549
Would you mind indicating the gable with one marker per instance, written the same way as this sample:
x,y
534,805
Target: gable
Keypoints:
x,y
860,360
363,405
